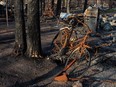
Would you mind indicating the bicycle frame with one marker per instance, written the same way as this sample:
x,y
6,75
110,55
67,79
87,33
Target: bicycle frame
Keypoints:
x,y
80,41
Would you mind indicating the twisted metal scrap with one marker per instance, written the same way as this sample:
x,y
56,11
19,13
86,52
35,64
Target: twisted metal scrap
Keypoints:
x,y
62,42
66,35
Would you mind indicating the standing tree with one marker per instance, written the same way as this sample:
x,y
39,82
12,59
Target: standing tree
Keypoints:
x,y
43,5
20,34
110,4
68,6
85,5
58,8
33,29
40,3
52,4
7,13
64,3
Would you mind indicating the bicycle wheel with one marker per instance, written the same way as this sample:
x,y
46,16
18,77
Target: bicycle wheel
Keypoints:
x,y
81,65
59,40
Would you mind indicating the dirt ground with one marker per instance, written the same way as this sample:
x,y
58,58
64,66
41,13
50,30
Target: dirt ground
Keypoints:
x,y
26,72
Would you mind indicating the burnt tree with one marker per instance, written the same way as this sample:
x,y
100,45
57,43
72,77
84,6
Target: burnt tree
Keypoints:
x,y
20,34
85,5
33,30
58,7
41,10
110,4
52,4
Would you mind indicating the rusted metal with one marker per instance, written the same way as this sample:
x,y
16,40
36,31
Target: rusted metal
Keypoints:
x,y
67,34
62,76
81,46
82,41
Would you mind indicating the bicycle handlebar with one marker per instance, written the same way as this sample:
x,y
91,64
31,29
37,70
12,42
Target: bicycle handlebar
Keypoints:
x,y
84,24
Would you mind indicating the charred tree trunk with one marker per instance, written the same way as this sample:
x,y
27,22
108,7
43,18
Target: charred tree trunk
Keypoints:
x,y
58,8
7,13
52,4
43,5
33,30
85,5
20,34
40,2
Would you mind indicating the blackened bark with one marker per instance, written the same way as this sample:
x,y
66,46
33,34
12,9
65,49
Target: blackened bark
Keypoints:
x,y
43,5
85,5
33,30
40,7
20,34
52,4
58,8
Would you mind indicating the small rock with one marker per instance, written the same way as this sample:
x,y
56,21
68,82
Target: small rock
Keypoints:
x,y
77,84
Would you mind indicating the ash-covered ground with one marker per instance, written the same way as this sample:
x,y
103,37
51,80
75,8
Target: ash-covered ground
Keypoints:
x,y
26,72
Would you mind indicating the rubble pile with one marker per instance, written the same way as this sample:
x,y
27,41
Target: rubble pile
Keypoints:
x,y
72,49
107,22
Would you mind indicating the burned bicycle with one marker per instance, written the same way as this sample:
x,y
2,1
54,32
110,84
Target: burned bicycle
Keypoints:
x,y
69,48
